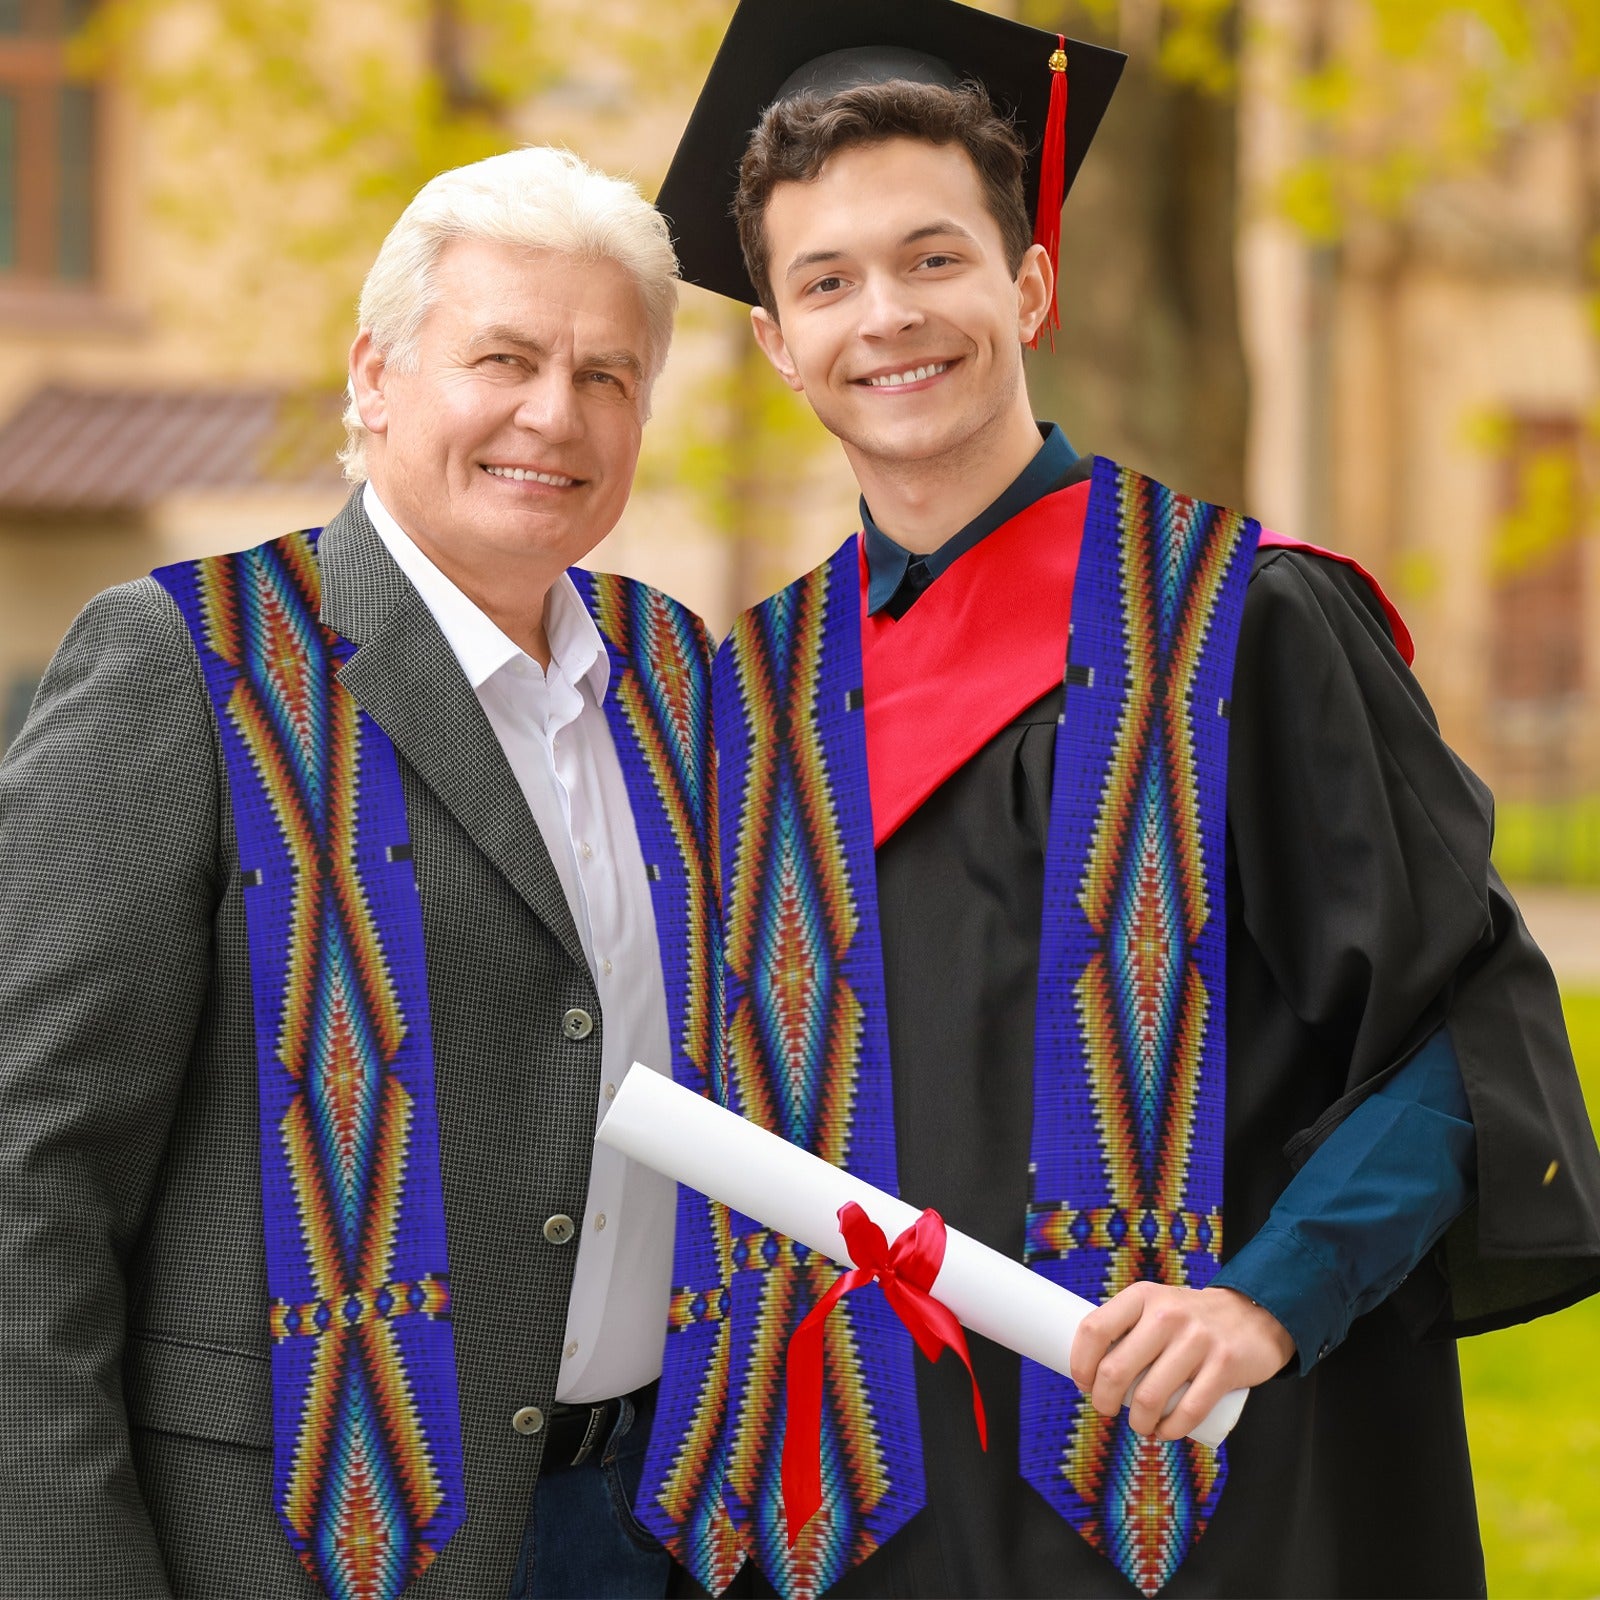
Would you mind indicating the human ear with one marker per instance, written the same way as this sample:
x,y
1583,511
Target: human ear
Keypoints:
x,y
367,372
1036,282
774,346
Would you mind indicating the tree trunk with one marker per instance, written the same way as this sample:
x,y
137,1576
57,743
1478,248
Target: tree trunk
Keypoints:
x,y
1148,366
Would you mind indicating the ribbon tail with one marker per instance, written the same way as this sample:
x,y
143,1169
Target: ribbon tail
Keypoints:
x,y
801,1469
935,1328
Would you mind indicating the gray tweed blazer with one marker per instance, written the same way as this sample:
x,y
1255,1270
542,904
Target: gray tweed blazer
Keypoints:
x,y
135,1454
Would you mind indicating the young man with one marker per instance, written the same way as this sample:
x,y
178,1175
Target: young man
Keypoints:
x,y
1111,945
334,874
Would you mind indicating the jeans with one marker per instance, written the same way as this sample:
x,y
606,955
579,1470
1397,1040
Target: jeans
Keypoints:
x,y
583,1541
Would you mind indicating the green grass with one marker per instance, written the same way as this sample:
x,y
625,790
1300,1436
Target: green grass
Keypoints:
x,y
1533,1414
1548,841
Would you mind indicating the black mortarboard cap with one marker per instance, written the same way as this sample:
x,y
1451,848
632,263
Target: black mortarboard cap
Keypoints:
x,y
777,48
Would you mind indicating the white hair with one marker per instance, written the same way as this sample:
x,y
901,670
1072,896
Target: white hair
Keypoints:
x,y
536,197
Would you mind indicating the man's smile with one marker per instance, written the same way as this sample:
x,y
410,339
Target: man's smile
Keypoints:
x,y
911,377
555,480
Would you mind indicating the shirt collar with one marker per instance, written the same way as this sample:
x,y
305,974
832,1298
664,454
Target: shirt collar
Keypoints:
x,y
477,641
887,561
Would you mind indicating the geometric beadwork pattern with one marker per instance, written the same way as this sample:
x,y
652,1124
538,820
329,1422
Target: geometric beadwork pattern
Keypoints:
x,y
1055,1229
367,1467
1129,1067
428,1295
808,1059
659,711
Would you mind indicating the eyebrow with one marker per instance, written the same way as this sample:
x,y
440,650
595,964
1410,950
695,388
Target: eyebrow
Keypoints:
x,y
940,228
624,360
504,333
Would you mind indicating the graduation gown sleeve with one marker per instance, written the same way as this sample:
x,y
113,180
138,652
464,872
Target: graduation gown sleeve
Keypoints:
x,y
1360,852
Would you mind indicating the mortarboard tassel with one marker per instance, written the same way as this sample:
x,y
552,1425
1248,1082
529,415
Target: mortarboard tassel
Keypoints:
x,y
1052,182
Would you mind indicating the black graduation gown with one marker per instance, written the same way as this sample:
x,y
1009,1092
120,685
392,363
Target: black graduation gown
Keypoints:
x,y
1362,911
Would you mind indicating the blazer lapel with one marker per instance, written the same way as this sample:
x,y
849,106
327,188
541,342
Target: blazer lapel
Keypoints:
x,y
407,679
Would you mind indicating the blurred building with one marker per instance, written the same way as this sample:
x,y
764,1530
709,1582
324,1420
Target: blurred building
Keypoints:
x,y
1423,394
1426,396
160,401
121,445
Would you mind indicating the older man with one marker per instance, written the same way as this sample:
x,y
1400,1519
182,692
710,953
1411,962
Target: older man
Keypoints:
x,y
333,879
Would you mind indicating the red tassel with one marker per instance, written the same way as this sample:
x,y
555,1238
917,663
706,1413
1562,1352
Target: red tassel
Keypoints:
x,y
1052,182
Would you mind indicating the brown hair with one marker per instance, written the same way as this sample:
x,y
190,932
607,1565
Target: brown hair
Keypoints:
x,y
795,138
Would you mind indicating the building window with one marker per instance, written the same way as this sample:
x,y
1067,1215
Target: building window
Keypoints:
x,y
1537,562
47,147
1542,635
1539,640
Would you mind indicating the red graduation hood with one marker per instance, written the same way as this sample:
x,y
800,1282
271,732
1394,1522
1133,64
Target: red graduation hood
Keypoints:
x,y
981,645
1397,624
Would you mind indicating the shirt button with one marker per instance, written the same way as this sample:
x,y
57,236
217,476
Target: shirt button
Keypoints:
x,y
600,1222
607,968
577,1023
611,1091
530,1419
559,1229
588,850
571,1350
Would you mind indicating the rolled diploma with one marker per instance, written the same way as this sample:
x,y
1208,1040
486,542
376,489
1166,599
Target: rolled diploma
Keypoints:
x,y
674,1131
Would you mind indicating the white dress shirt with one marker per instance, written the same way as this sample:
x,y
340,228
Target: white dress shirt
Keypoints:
x,y
552,727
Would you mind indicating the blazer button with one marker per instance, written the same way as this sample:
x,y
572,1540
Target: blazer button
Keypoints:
x,y
577,1024
559,1229
530,1419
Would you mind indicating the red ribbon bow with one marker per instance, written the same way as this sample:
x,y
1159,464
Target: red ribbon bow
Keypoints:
x,y
906,1269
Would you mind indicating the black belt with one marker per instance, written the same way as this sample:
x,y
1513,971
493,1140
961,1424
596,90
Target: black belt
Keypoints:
x,y
573,1434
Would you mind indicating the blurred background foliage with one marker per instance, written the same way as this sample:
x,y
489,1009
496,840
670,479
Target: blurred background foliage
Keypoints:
x,y
1323,264
299,130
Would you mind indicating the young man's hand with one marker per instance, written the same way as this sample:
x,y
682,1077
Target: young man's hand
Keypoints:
x,y
1212,1339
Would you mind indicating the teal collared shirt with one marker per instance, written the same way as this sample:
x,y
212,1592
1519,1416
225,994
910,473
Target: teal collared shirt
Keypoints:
x,y
1380,1191
895,577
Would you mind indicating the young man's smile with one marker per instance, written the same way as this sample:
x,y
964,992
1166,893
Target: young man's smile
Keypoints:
x,y
907,379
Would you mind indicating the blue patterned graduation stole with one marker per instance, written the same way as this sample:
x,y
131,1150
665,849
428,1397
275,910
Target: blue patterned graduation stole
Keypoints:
x,y
1131,1034
1129,1084
808,1057
367,1465
659,712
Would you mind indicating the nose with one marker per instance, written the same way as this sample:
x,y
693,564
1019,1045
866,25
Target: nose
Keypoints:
x,y
888,308
549,406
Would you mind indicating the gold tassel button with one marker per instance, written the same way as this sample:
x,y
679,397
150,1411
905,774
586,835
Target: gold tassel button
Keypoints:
x,y
1058,62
